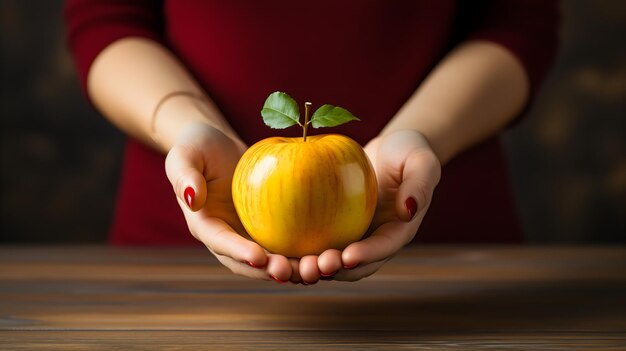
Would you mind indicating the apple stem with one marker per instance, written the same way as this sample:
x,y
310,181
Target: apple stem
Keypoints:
x,y
307,108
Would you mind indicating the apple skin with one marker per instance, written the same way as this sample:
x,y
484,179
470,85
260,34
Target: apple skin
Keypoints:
x,y
298,198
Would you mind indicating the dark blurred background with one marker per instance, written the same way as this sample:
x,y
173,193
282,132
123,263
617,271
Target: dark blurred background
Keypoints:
x,y
61,160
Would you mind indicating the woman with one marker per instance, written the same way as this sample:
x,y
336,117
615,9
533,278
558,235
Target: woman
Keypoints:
x,y
433,83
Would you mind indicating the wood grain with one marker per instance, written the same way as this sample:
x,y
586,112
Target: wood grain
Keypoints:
x,y
433,297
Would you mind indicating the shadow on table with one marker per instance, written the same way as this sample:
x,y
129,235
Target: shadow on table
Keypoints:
x,y
508,308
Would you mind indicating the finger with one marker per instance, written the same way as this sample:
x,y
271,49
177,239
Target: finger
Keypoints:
x,y
241,268
329,262
420,176
184,167
384,242
279,268
352,275
221,239
308,270
295,270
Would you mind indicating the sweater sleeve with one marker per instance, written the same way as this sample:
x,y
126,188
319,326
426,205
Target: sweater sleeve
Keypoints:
x,y
527,28
91,25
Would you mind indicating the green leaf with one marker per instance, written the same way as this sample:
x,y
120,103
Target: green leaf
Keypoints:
x,y
280,111
331,116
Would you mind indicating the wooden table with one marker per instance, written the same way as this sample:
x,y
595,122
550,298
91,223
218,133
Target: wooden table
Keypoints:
x,y
433,297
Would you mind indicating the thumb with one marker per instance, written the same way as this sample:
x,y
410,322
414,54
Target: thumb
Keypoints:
x,y
420,176
414,166
184,168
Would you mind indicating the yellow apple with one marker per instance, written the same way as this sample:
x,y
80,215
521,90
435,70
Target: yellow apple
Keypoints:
x,y
298,197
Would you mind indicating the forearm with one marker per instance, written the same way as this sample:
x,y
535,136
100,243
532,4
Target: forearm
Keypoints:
x,y
473,93
128,80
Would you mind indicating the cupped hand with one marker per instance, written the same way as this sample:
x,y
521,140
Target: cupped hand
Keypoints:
x,y
200,167
407,171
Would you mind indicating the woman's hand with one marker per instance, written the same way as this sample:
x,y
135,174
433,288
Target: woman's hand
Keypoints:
x,y
408,171
200,167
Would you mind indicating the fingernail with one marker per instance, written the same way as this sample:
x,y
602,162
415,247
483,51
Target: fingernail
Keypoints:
x,y
252,264
352,266
411,207
304,282
277,280
189,195
325,275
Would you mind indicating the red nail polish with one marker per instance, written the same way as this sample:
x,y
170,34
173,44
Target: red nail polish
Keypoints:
x,y
411,207
325,275
252,264
352,266
189,195
277,280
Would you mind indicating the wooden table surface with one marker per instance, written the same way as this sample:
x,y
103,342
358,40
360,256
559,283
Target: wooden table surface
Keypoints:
x,y
432,297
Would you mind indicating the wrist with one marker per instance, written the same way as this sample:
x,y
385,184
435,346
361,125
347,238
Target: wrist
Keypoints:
x,y
416,137
178,111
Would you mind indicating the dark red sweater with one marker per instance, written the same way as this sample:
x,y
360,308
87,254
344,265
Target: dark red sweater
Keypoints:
x,y
368,56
